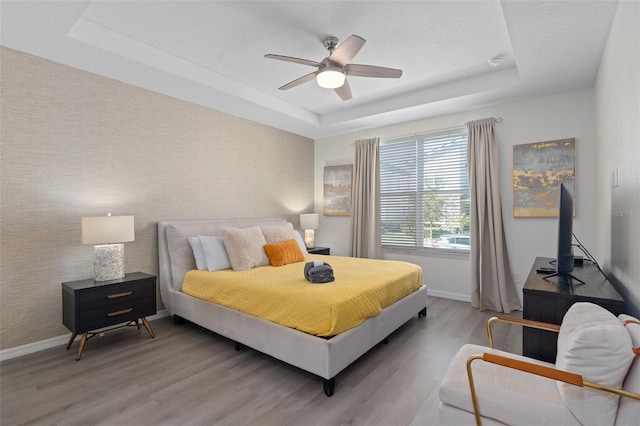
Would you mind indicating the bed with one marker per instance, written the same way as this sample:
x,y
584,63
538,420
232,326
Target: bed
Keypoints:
x,y
322,356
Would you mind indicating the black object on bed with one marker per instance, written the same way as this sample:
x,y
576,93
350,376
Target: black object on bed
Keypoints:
x,y
318,272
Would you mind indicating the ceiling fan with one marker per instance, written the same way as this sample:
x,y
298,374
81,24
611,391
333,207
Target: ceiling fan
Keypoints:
x,y
333,69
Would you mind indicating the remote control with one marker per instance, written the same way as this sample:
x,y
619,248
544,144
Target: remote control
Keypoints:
x,y
545,270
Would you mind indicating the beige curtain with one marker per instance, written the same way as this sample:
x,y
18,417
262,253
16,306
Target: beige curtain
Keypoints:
x,y
365,206
491,280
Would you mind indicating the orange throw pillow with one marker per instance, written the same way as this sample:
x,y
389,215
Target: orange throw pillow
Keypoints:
x,y
283,253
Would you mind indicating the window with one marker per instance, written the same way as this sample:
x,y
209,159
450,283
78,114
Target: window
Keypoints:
x,y
424,191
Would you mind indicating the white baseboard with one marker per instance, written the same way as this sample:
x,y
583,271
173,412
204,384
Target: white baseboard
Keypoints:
x,y
447,295
41,345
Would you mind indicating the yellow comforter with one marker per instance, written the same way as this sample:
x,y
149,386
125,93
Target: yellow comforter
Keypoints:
x,y
362,288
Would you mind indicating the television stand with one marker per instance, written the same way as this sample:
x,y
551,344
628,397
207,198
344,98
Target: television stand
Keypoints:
x,y
546,301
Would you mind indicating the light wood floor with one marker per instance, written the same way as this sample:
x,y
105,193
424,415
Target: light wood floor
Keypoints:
x,y
190,376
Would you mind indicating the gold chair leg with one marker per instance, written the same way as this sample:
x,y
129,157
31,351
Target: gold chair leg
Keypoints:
x,y
472,388
73,337
147,326
83,341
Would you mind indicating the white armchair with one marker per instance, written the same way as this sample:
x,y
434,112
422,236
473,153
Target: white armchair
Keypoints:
x,y
595,381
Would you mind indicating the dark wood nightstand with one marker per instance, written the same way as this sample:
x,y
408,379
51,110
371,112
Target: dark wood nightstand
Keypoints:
x,y
319,250
89,305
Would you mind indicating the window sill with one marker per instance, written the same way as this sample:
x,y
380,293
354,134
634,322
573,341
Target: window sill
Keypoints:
x,y
428,252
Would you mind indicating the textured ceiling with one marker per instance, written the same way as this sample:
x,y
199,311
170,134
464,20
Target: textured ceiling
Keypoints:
x,y
212,52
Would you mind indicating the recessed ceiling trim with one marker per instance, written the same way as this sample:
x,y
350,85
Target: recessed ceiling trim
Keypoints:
x,y
456,89
98,35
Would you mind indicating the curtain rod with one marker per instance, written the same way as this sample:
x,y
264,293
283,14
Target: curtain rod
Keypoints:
x,y
446,129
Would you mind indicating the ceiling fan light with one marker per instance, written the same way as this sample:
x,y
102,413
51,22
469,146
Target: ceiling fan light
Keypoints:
x,y
330,78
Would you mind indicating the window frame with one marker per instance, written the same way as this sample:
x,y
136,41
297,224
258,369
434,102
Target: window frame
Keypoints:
x,y
421,141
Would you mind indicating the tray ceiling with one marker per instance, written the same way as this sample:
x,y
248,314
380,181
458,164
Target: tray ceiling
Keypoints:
x,y
212,52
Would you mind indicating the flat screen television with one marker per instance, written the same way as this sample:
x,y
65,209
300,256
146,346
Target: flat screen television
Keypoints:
x,y
564,256
564,259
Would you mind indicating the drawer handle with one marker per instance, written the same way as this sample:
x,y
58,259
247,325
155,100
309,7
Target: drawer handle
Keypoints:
x,y
115,296
122,312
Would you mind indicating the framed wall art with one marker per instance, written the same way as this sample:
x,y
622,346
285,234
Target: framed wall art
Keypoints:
x,y
538,170
337,190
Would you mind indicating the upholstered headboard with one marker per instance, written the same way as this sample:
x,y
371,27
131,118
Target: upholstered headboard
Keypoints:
x,y
175,256
178,256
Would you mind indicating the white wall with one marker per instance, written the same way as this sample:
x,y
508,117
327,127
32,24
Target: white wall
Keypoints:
x,y
565,115
617,92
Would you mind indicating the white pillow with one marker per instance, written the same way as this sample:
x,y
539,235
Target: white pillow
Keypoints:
x,y
198,253
280,233
593,343
245,247
215,253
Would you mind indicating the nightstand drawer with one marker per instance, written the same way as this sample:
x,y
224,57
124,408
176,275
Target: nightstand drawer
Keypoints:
x,y
115,294
114,313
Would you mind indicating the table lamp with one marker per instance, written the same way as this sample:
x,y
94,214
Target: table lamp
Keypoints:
x,y
107,233
309,222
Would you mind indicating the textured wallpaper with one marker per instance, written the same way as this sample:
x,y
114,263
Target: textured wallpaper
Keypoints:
x,y
76,144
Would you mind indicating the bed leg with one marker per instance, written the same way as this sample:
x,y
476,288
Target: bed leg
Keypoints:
x,y
237,346
329,386
177,320
422,313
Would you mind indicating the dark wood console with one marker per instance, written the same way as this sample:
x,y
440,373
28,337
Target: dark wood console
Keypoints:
x,y
548,301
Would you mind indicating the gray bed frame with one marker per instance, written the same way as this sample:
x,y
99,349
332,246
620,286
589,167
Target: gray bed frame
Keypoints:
x,y
324,357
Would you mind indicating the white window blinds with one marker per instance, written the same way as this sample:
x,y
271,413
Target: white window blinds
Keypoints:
x,y
424,191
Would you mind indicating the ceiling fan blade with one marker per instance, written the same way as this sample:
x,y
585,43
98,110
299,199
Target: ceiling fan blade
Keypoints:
x,y
347,50
299,81
344,91
292,59
372,71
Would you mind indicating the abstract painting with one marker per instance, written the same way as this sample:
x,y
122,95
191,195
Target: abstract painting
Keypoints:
x,y
337,190
538,170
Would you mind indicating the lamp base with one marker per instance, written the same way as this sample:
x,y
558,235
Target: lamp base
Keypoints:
x,y
108,262
309,238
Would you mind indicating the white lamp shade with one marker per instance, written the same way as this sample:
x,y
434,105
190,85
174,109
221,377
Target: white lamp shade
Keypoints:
x,y
107,229
309,221
330,78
